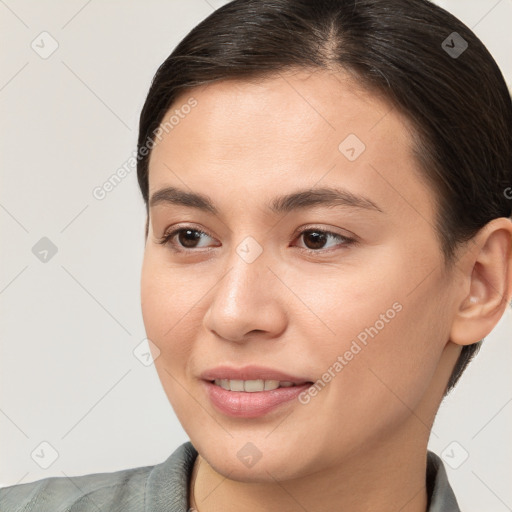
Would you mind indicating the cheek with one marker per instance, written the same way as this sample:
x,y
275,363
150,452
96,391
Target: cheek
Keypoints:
x,y
380,338
167,300
167,292
393,376
340,304
167,309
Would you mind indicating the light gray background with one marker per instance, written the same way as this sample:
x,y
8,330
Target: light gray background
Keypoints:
x,y
69,376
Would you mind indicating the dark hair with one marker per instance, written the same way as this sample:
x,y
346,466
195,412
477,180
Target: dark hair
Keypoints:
x,y
404,50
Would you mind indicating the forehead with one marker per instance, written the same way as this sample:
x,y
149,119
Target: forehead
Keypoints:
x,y
296,127
293,111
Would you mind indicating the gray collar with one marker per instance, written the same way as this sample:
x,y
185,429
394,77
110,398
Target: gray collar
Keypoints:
x,y
167,485
441,497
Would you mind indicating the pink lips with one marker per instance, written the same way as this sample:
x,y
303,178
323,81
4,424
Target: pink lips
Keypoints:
x,y
243,404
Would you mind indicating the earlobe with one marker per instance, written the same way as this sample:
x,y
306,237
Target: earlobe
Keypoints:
x,y
488,266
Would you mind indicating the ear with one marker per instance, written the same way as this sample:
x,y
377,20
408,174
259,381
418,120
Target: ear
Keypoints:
x,y
487,266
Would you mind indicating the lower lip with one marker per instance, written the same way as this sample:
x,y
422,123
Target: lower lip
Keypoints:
x,y
242,404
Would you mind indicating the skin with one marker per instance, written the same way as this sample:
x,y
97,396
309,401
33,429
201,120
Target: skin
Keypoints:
x,y
361,443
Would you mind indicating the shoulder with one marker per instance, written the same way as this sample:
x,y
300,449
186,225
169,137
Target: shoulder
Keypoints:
x,y
91,492
125,490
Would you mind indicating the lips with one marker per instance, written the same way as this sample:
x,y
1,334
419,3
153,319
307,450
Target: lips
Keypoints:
x,y
251,372
238,404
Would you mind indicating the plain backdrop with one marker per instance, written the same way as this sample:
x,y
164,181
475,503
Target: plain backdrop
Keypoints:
x,y
72,374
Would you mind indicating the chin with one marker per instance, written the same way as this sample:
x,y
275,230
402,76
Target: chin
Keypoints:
x,y
255,462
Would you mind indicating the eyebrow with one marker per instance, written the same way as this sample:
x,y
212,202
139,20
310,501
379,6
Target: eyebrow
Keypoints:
x,y
300,199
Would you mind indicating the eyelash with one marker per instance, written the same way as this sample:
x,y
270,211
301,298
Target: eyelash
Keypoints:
x,y
166,239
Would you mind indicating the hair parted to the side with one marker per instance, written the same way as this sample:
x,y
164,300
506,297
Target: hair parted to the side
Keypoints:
x,y
460,108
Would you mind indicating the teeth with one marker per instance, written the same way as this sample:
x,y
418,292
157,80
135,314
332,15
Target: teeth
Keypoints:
x,y
252,386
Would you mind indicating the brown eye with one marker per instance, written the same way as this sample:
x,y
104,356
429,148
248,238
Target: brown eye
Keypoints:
x,y
183,239
189,237
315,239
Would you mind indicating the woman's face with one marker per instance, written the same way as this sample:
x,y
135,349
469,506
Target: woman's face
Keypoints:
x,y
366,311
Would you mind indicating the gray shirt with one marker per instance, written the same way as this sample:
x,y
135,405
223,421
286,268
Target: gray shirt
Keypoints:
x,y
159,488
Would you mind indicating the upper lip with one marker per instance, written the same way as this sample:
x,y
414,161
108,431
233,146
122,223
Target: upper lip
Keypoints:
x,y
251,372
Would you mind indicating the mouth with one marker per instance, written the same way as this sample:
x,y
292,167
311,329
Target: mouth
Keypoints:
x,y
252,378
256,385
253,398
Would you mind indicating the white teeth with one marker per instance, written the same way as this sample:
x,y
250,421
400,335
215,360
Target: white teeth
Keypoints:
x,y
269,384
236,385
251,386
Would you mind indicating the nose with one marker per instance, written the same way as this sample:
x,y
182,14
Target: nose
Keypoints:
x,y
247,301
